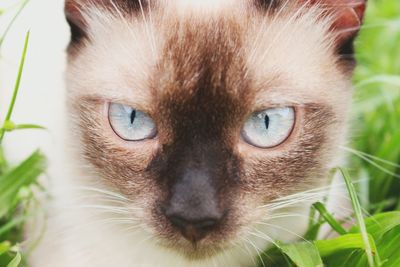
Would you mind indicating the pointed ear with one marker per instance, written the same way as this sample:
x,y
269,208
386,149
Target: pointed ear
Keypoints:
x,y
74,12
347,18
75,19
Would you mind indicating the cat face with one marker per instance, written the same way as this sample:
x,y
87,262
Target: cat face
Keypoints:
x,y
202,113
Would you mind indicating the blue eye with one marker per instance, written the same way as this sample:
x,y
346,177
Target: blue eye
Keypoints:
x,y
131,124
269,128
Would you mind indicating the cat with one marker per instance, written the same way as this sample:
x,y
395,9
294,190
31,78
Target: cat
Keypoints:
x,y
199,131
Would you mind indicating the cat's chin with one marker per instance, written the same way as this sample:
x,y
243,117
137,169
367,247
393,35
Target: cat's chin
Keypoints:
x,y
195,251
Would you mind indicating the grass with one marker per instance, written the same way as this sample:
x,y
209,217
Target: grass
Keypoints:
x,y
372,238
16,182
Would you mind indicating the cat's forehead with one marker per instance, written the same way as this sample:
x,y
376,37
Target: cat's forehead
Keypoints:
x,y
174,47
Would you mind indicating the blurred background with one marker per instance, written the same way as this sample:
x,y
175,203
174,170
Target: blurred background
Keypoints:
x,y
375,144
41,96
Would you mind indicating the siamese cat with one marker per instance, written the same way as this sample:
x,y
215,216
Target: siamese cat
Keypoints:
x,y
199,131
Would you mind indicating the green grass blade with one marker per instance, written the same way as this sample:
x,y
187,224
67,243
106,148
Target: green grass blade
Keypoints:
x,y
3,162
379,224
358,213
304,254
312,231
23,175
16,221
4,247
16,261
389,247
29,126
10,126
329,218
344,242
17,84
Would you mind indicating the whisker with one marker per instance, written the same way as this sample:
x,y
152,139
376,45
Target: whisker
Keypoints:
x,y
376,165
147,29
285,215
225,257
248,250
287,24
99,199
257,251
299,200
151,23
263,236
113,209
262,28
308,195
284,229
239,245
266,238
372,157
103,191
213,259
66,232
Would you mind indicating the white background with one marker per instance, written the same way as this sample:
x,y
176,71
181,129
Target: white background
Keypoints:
x,y
41,97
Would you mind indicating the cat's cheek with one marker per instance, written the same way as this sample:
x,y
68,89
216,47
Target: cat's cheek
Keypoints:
x,y
118,162
296,165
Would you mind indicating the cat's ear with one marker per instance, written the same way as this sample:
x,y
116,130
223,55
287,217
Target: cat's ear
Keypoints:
x,y
347,17
74,14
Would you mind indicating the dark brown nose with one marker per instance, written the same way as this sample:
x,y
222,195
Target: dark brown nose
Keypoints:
x,y
194,230
193,207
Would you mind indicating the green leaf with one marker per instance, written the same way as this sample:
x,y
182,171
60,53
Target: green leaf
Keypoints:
x,y
3,162
389,247
23,175
10,126
16,87
29,126
14,222
16,261
304,254
4,247
360,219
313,231
344,242
379,224
329,218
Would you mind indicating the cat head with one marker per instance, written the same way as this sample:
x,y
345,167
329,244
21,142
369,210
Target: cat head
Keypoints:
x,y
201,113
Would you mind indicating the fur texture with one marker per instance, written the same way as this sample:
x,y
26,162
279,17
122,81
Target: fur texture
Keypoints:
x,y
199,69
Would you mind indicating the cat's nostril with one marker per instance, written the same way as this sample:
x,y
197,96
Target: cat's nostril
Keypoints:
x,y
193,230
201,224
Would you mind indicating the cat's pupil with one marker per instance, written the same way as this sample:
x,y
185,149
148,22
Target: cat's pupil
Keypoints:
x,y
133,116
266,121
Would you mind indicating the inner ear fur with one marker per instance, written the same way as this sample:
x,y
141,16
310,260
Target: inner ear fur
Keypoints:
x,y
74,13
74,16
347,18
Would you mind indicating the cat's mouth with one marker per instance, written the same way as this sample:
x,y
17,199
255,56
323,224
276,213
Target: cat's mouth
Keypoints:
x,y
196,250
